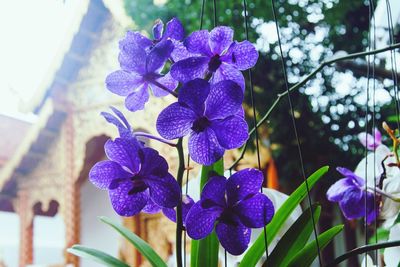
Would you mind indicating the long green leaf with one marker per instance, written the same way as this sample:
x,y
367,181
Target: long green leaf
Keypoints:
x,y
307,255
294,239
96,255
143,247
194,251
205,251
254,254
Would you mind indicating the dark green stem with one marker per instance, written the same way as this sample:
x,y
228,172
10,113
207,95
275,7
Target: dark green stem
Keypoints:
x,y
179,223
363,249
303,82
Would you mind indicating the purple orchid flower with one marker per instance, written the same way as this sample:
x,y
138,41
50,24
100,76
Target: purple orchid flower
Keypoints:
x,y
187,203
218,55
174,32
141,71
369,141
211,116
233,205
350,193
136,178
124,128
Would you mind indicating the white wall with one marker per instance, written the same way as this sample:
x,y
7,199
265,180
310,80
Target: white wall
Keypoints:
x,y
48,240
94,233
9,238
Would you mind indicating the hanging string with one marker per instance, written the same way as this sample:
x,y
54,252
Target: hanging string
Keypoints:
x,y
188,156
366,131
202,14
375,207
215,14
186,193
253,104
295,131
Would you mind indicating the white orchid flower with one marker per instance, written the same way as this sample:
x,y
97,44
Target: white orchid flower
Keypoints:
x,y
367,262
392,255
391,184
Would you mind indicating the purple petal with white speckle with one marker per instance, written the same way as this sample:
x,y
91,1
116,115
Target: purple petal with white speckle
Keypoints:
x,y
204,147
233,238
175,121
200,222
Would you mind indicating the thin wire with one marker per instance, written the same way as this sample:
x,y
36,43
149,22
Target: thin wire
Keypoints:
x,y
215,13
253,104
226,258
186,192
188,156
225,253
202,14
372,8
187,174
295,132
366,131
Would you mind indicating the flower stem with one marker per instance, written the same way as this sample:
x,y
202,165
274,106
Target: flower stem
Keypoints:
x,y
179,223
149,136
383,193
391,133
164,88
363,249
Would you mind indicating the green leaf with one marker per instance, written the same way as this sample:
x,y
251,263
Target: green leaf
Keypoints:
x,y
307,255
382,234
397,220
96,255
205,251
254,254
392,118
141,245
208,171
294,239
194,251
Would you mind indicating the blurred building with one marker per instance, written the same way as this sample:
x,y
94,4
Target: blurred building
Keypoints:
x,y
45,164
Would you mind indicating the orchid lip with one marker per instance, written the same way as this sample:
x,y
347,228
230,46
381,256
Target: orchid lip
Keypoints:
x,y
201,124
214,63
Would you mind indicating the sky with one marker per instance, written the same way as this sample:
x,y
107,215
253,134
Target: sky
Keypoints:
x,y
32,34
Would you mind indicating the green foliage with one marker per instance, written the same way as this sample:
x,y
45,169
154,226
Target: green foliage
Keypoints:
x,y
96,255
254,254
143,247
307,255
382,234
294,239
204,252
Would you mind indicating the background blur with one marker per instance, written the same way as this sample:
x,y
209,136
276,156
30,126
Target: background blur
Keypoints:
x,y
55,55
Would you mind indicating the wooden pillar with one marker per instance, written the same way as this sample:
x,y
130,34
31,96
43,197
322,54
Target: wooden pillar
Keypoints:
x,y
26,229
72,194
72,219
